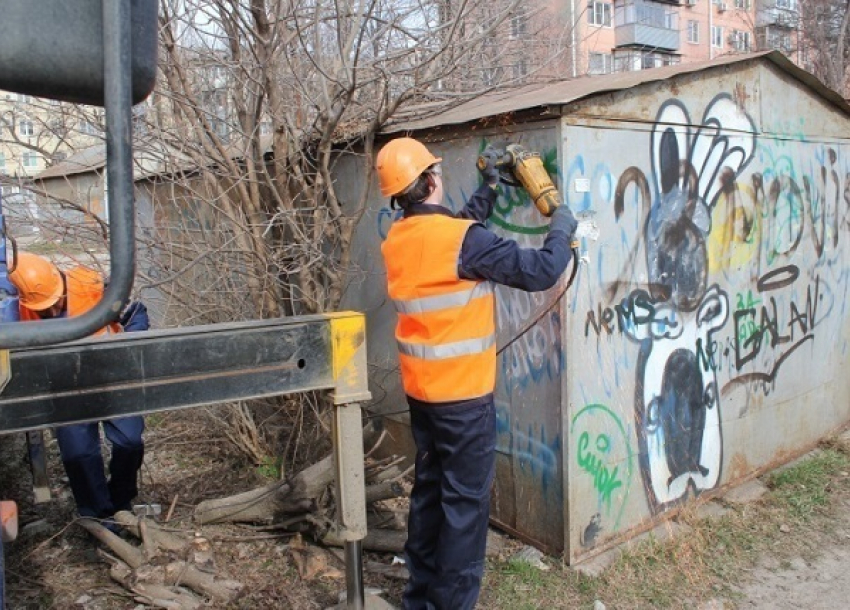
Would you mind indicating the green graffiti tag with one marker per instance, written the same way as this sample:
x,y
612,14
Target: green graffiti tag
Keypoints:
x,y
603,451
747,327
604,480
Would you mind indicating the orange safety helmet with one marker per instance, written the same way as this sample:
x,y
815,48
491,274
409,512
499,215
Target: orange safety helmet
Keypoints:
x,y
38,281
400,163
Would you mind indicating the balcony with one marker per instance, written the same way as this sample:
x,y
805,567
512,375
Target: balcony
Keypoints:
x,y
646,25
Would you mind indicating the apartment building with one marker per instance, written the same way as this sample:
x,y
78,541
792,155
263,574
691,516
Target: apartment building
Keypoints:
x,y
35,132
555,39
624,35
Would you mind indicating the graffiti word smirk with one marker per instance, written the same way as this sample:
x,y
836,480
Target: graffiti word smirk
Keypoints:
x,y
604,481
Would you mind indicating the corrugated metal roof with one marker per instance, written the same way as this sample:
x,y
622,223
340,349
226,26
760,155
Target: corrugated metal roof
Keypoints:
x,y
569,91
150,158
87,160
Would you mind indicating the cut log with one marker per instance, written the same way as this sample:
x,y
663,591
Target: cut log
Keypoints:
x,y
129,554
383,491
213,585
385,520
171,574
397,571
263,505
151,594
384,541
153,533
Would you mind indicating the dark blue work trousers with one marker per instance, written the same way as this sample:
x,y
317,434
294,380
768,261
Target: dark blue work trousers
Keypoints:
x,y
79,445
449,504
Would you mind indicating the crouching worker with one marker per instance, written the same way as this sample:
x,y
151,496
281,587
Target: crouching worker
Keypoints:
x,y
45,293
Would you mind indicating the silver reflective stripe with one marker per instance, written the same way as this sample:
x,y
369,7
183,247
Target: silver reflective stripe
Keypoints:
x,y
443,301
447,350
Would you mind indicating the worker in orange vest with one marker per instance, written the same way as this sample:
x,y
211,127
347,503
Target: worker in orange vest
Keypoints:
x,y
46,292
441,268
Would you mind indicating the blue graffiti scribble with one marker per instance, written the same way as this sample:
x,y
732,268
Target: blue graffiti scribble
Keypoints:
x,y
538,455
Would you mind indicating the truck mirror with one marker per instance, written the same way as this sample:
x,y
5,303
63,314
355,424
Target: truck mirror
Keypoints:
x,y
54,48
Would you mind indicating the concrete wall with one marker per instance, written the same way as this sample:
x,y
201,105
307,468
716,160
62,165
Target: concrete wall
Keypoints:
x,y
705,337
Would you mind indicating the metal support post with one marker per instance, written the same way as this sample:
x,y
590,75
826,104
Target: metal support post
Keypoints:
x,y
348,336
38,466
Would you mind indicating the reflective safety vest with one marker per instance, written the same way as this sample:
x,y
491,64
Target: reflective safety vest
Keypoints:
x,y
446,329
85,289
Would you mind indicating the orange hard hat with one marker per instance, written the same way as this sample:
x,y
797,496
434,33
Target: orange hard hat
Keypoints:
x,y
400,163
38,281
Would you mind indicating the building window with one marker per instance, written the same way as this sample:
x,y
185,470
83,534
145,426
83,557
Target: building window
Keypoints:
x,y
25,99
492,76
740,41
265,128
599,13
786,4
520,68
693,31
30,159
742,4
25,128
600,63
2,163
641,60
717,36
519,26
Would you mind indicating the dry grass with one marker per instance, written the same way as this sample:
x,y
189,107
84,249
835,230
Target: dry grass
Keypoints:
x,y
57,567
709,560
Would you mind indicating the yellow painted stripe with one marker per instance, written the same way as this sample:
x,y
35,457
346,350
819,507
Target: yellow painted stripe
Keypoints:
x,y
348,332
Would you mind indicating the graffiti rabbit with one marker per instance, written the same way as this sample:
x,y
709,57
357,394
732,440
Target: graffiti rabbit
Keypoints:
x,y
677,403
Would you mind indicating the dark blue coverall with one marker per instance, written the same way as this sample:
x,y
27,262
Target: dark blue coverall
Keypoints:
x,y
456,441
79,446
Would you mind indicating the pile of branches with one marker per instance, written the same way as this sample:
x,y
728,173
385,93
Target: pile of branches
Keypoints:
x,y
167,571
179,573
306,504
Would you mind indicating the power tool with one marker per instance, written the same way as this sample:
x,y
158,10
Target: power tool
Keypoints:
x,y
520,167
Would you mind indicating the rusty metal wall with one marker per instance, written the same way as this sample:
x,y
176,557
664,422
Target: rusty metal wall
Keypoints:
x,y
708,334
705,336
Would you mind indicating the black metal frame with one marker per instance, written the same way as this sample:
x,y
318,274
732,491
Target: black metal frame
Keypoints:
x,y
143,372
119,154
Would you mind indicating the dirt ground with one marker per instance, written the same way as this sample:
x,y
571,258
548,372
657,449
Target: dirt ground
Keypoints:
x,y
56,564
816,580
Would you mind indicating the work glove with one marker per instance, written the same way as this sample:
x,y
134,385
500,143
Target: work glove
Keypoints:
x,y
487,166
563,220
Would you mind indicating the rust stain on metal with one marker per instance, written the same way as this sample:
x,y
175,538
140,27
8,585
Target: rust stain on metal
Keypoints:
x,y
739,467
741,95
